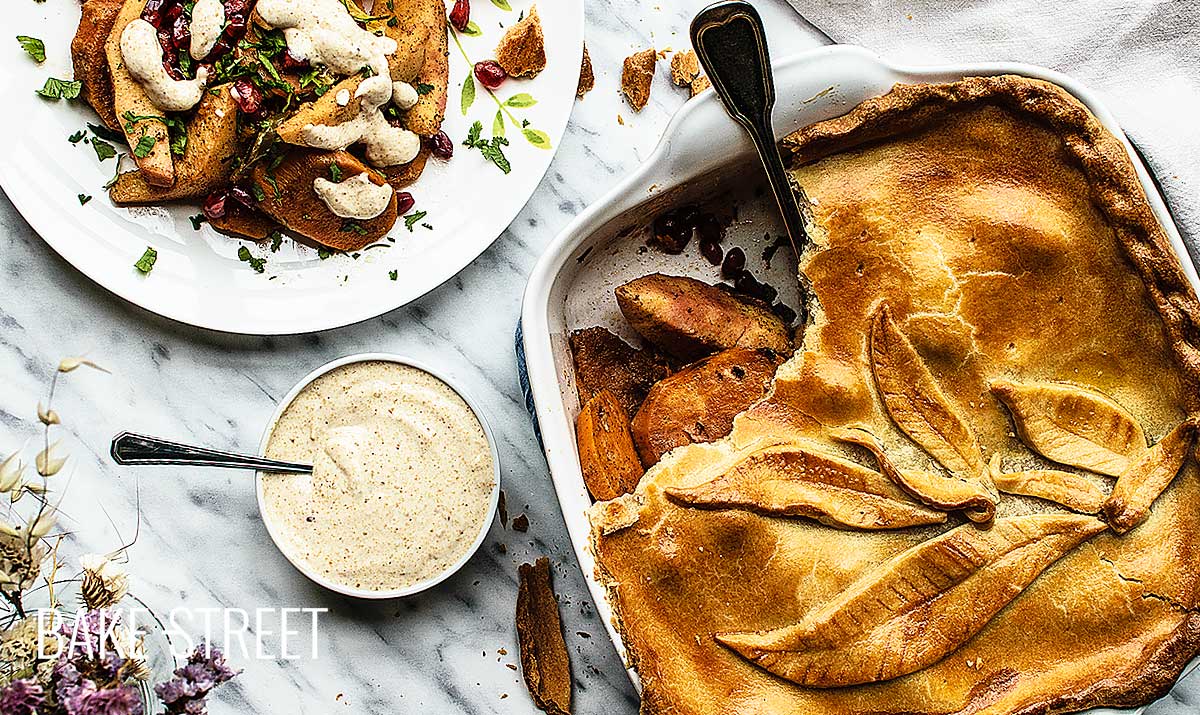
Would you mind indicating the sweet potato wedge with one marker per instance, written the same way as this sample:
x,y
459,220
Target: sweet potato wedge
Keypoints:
x,y
246,224
157,167
690,319
325,110
90,60
289,198
604,361
206,161
426,117
609,461
698,403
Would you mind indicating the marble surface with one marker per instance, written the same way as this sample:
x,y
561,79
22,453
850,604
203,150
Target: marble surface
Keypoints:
x,y
201,543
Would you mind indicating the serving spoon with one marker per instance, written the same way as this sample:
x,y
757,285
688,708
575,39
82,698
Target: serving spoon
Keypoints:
x,y
731,44
137,449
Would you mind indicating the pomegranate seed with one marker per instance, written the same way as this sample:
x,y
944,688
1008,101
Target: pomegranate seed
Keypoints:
x,y
173,13
235,27
490,74
404,202
460,15
181,32
708,228
153,12
671,234
291,62
242,196
735,263
236,7
711,250
441,146
247,96
689,215
214,205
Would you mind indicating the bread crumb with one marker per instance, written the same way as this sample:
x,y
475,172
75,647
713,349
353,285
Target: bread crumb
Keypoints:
x,y
636,77
522,50
587,79
620,120
685,67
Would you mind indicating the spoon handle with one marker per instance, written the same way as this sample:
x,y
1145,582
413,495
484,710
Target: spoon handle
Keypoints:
x,y
136,449
731,44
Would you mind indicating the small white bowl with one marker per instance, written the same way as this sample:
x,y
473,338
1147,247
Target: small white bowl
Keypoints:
x,y
484,527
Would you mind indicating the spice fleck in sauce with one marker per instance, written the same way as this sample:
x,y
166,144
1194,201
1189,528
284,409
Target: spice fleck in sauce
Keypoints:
x,y
402,476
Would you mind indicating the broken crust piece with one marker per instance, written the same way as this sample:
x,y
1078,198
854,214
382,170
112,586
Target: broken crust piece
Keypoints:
x,y
699,84
522,50
636,77
607,456
685,72
587,78
544,660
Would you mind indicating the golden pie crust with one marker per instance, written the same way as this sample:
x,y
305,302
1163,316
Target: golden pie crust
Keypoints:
x,y
1007,234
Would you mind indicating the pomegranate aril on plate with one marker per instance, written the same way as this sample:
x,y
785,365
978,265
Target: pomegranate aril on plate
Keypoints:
x,y
711,250
460,14
709,228
670,233
404,202
735,263
441,146
247,96
490,74
214,205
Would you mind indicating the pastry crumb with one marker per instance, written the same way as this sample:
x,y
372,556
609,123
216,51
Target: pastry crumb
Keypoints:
x,y
685,72
587,78
636,77
522,50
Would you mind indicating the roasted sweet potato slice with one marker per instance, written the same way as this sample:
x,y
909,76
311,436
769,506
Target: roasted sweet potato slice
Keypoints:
x,y
246,224
157,166
402,175
690,318
698,403
206,161
604,361
289,198
89,58
607,456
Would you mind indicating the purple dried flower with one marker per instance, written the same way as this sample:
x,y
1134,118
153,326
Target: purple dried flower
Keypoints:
x,y
186,692
21,697
117,700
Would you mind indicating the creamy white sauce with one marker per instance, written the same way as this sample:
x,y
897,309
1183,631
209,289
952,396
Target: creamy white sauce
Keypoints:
x,y
324,33
385,144
402,479
343,97
208,19
144,60
356,197
404,96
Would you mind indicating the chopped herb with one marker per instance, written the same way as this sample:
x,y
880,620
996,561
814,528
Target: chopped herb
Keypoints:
x,y
394,275
412,219
349,226
491,149
60,89
144,146
105,133
423,88
179,143
318,79
276,240
33,47
145,264
104,150
176,130
84,198
77,136
197,220
335,172
524,123
258,264
323,253
393,21
185,64
257,191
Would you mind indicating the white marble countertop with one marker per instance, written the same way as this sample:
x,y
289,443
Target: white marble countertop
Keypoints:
x,y
201,543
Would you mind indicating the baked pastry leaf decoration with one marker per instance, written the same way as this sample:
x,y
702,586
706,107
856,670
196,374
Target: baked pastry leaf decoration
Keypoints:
x,y
787,480
914,401
1073,425
1147,478
947,493
917,608
1064,488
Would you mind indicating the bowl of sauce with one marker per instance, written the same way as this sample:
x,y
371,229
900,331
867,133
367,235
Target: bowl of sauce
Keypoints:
x,y
405,480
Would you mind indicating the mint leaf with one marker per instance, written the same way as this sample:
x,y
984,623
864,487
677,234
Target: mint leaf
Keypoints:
x,y
144,146
423,88
105,133
524,99
335,173
83,199
276,240
104,150
412,219
56,88
394,275
33,47
145,264
77,136
197,220
258,264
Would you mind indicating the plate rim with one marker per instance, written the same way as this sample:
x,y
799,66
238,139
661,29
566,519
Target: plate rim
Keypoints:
x,y
658,170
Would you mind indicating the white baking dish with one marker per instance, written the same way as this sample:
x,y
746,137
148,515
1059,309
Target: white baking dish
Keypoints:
x,y
703,154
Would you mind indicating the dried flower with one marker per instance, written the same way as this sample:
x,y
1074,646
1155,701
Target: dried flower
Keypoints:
x,y
187,691
47,416
48,462
72,363
20,562
43,523
21,697
104,582
10,473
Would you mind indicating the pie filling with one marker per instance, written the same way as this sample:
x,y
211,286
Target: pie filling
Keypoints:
x,y
973,486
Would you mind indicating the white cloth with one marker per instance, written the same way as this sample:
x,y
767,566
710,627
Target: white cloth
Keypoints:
x,y
1141,56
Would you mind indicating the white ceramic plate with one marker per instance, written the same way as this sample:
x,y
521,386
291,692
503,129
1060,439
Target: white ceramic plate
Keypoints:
x,y
198,278
598,249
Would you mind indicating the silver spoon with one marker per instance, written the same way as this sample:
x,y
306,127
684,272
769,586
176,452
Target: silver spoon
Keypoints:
x,y
732,47
137,449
